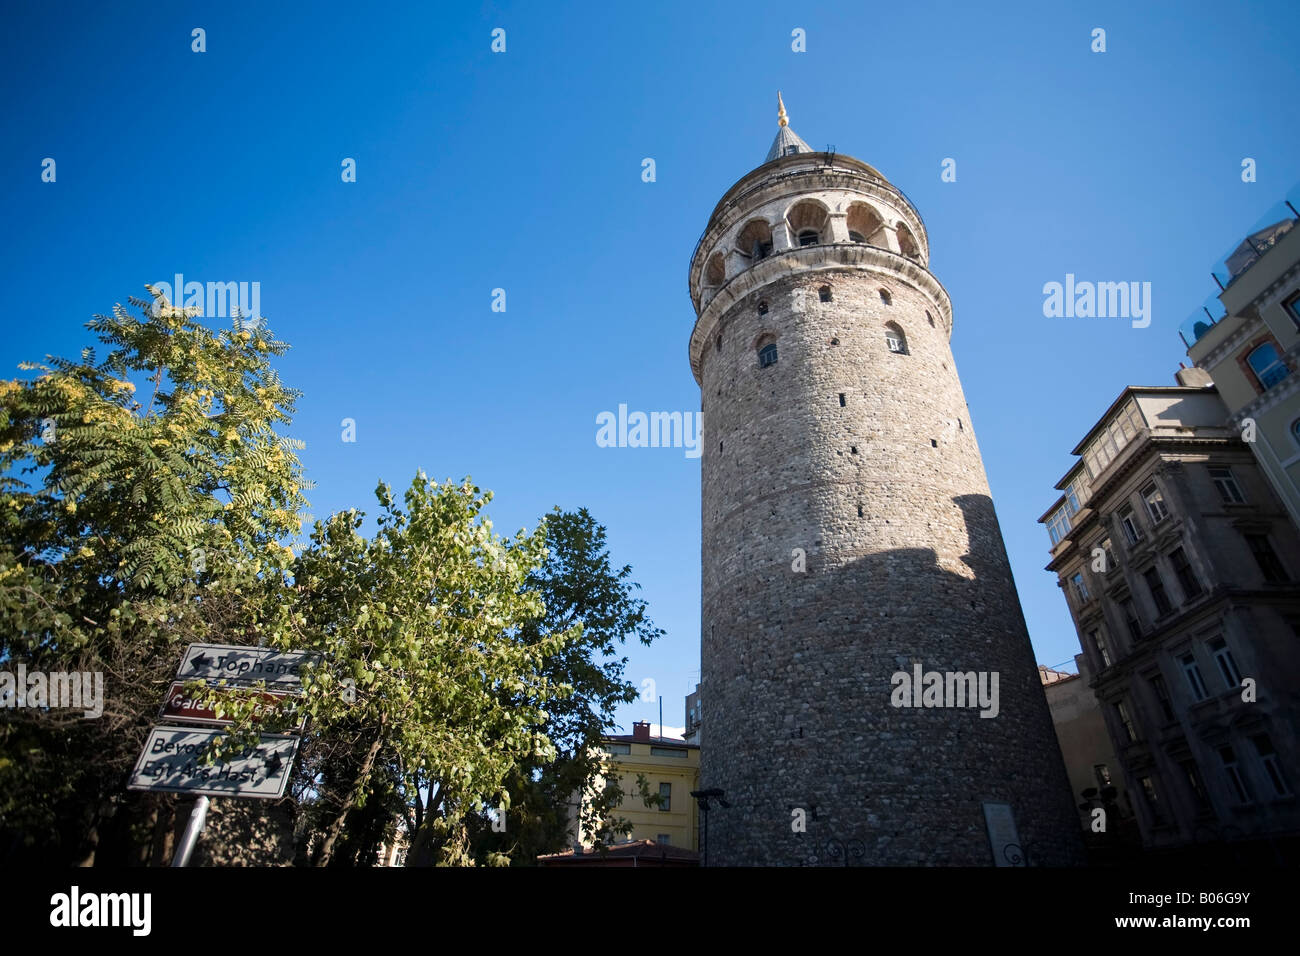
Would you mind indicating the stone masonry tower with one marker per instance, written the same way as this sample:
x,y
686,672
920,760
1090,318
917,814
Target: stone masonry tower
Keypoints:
x,y
849,536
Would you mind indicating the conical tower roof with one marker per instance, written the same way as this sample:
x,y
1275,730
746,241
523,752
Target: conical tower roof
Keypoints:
x,y
787,140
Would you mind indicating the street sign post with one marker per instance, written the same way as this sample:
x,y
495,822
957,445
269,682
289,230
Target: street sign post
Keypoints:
x,y
183,707
170,764
282,670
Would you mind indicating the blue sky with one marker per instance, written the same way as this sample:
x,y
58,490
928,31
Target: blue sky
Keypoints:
x,y
522,171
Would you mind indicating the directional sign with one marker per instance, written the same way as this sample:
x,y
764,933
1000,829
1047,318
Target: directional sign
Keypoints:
x,y
170,763
180,705
282,670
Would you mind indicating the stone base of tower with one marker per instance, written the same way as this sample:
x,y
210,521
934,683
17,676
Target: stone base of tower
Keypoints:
x,y
817,762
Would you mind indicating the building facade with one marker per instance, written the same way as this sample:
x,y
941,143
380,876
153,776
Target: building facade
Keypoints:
x,y
848,537
1095,778
1252,352
671,768
1178,563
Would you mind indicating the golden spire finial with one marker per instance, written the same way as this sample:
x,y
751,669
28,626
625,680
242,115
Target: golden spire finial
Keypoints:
x,y
781,118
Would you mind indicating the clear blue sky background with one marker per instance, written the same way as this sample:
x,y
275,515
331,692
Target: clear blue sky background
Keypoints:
x,y
523,171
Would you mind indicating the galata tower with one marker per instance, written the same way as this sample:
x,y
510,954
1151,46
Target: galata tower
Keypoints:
x,y
869,692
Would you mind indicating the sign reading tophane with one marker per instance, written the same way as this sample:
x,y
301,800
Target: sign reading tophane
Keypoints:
x,y
171,763
282,670
180,705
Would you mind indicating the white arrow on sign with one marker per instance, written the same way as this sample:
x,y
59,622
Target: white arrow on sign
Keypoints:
x,y
171,758
245,665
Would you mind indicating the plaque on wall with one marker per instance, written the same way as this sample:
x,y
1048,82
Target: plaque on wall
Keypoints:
x,y
1003,838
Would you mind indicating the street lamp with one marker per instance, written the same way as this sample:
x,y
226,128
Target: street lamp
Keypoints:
x,y
703,797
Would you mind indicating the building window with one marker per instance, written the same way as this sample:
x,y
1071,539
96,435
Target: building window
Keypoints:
x,y
1058,526
1272,769
1155,503
1227,666
1153,804
885,297
1266,558
762,308
1132,620
1195,784
895,339
808,237
677,752
1099,642
664,839
857,237
1292,307
1102,772
1132,530
1157,588
824,293
1231,770
1227,486
1079,588
767,355
1076,493
666,796
1162,696
841,399
1186,577
1194,679
1108,550
930,319
1267,365
1121,709
617,748
1106,446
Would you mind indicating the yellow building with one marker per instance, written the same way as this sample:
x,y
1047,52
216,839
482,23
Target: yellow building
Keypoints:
x,y
1249,342
672,769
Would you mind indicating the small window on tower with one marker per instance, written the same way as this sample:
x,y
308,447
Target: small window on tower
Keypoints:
x,y
767,355
857,237
824,293
808,237
762,308
841,399
930,318
895,339
885,297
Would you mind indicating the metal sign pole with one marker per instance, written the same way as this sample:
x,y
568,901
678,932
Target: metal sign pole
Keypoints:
x,y
198,817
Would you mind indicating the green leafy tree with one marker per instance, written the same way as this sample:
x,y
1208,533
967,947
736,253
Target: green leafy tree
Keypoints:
x,y
143,501
432,684
580,587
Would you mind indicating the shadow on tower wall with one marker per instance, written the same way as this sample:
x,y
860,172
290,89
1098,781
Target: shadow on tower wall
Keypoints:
x,y
807,727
